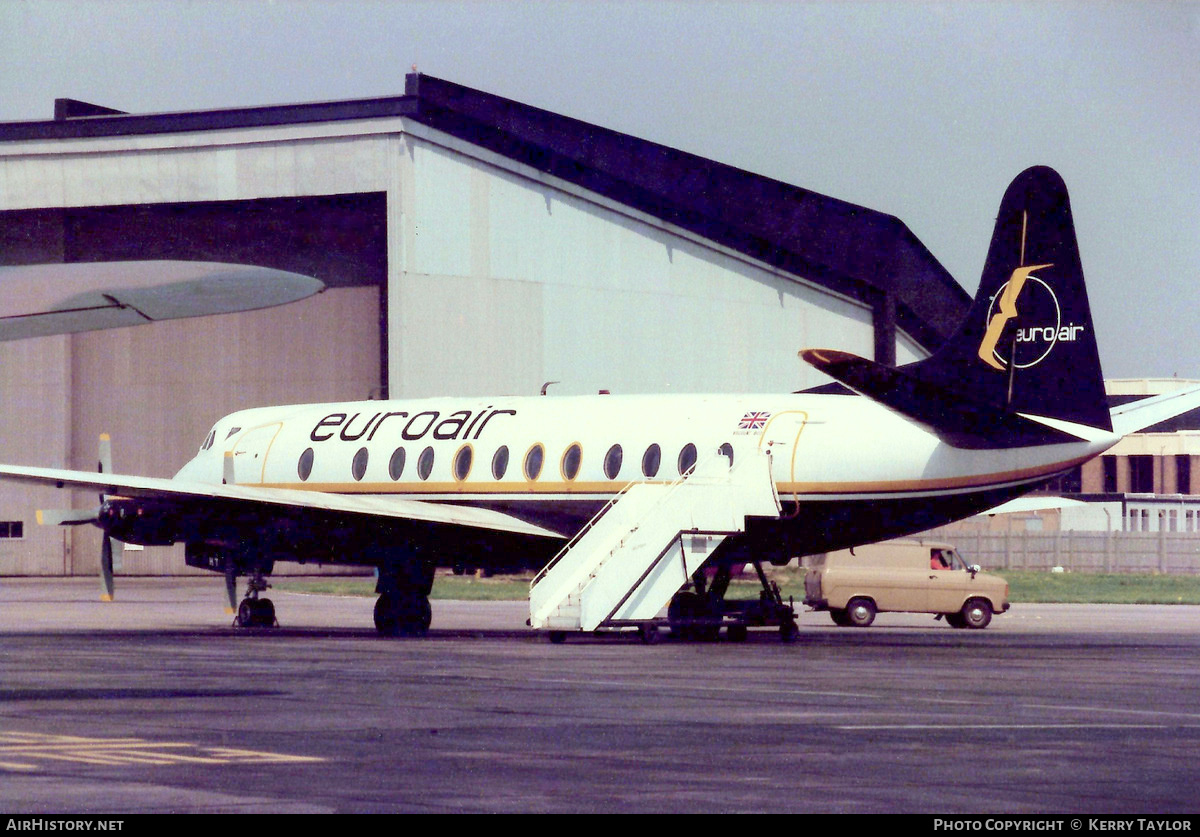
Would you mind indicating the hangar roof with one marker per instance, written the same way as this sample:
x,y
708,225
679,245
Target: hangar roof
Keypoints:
x,y
855,251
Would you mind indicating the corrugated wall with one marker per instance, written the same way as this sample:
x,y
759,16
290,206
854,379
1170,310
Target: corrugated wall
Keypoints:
x,y
508,281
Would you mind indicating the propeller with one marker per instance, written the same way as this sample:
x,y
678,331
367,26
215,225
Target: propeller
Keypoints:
x,y
111,549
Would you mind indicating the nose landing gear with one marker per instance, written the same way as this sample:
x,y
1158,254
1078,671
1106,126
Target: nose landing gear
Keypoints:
x,y
256,612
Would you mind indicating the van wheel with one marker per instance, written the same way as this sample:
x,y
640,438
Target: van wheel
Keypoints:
x,y
838,615
860,613
977,614
956,620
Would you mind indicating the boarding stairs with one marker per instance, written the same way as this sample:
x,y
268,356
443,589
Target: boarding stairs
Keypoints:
x,y
624,566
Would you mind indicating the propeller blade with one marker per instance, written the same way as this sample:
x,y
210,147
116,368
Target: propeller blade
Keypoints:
x,y
111,553
66,517
104,466
106,569
231,586
111,549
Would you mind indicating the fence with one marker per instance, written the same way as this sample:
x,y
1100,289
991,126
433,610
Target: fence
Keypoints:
x,y
1112,552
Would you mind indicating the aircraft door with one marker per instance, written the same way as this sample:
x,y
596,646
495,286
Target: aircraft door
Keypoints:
x,y
781,437
250,452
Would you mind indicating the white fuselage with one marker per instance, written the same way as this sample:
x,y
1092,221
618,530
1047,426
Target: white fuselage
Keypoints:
x,y
555,458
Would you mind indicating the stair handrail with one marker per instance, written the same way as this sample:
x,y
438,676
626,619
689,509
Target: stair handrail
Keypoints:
x,y
669,489
578,536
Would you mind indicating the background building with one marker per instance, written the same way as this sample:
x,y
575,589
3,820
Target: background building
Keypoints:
x,y
469,245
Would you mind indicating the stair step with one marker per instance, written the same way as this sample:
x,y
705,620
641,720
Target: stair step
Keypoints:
x,y
642,548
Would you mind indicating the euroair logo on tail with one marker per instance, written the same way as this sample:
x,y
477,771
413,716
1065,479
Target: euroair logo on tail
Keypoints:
x,y
1029,344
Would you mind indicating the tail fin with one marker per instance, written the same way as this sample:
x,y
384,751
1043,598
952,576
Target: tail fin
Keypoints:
x,y
1028,344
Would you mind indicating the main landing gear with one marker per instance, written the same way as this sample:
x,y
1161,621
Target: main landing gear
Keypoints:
x,y
256,612
403,605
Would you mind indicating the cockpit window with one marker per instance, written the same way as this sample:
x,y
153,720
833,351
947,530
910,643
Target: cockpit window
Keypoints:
x,y
208,443
232,430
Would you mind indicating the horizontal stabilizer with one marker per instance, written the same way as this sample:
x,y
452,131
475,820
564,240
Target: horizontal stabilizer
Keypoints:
x,y
956,420
1138,415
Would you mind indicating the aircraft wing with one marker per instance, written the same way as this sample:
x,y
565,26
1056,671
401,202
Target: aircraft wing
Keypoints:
x,y
43,299
189,493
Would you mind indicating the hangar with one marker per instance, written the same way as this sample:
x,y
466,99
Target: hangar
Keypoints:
x,y
468,245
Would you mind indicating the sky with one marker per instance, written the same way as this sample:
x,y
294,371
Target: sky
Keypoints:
x,y
923,110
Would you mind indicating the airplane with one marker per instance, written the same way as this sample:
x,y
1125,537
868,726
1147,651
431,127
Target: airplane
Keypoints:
x,y
1013,399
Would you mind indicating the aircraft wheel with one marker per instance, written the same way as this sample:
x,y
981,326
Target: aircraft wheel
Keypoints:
x,y
400,614
976,614
264,612
737,633
860,612
255,613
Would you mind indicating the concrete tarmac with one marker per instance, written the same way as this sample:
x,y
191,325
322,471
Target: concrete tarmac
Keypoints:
x,y
154,703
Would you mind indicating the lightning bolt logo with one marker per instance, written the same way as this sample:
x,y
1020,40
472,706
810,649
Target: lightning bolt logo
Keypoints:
x,y
1006,310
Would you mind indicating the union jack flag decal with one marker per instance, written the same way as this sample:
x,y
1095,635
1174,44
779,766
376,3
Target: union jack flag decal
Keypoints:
x,y
753,421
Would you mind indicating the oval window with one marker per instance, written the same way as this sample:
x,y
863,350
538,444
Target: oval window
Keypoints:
x,y
304,468
727,450
462,462
533,462
570,462
612,462
359,466
500,462
651,459
687,458
396,464
425,463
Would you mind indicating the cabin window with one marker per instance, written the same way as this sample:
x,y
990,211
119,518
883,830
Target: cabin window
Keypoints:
x,y
533,462
612,462
651,460
570,462
304,467
462,462
359,466
396,464
687,458
425,463
500,462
